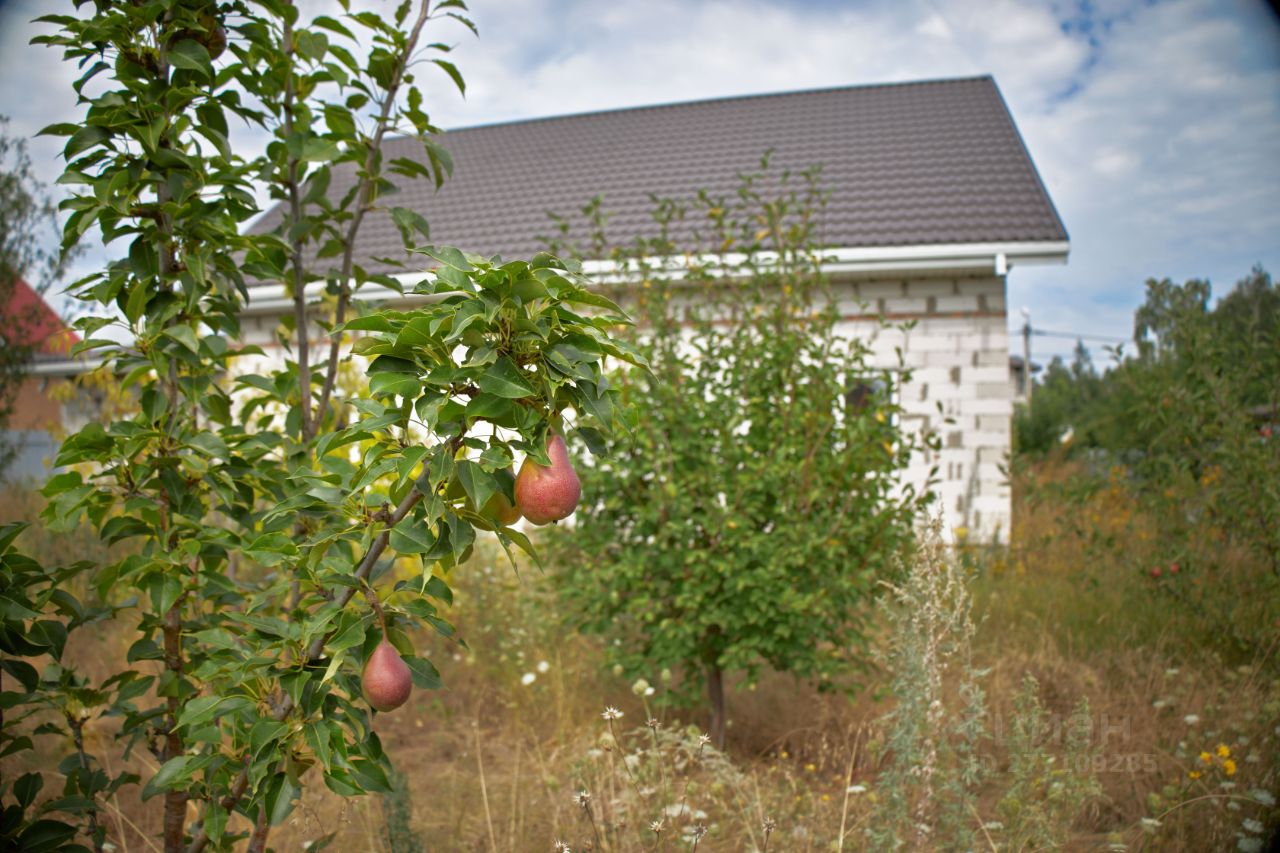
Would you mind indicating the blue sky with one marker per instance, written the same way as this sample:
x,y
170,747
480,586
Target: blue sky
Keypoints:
x,y
1155,125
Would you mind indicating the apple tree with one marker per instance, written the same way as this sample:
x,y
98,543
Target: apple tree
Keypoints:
x,y
261,512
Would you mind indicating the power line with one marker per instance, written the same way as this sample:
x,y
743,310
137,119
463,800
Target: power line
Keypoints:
x,y
1044,333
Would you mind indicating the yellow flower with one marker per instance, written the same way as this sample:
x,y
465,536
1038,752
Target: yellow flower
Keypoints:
x,y
826,798
811,767
1206,758
1229,767
785,754
1194,774
1223,752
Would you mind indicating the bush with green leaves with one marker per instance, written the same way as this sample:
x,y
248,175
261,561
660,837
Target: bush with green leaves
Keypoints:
x,y
747,519
262,507
1192,416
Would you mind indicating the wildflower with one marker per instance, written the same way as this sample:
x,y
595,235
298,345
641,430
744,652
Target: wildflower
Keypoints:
x,y
653,724
528,678
657,826
826,798
1229,767
582,799
642,688
699,831
1262,796
543,667
857,789
1206,758
769,825
1223,752
611,713
1150,824
561,847
704,739
784,754
811,767
1194,774
1191,720
1251,825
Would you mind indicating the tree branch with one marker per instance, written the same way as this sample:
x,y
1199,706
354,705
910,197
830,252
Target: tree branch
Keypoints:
x,y
362,204
295,245
200,840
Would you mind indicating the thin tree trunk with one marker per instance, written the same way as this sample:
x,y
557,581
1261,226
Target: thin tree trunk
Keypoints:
x,y
175,802
715,692
258,841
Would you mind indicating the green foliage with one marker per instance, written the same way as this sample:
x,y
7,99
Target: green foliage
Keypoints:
x,y
750,514
259,506
1193,416
397,808
1045,792
37,617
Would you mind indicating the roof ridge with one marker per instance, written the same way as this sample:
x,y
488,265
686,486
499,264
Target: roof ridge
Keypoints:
x,y
720,99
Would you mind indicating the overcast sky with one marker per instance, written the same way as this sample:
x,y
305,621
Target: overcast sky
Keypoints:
x,y
1155,125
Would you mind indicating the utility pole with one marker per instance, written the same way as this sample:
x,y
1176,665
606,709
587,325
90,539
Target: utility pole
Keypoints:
x,y
1026,354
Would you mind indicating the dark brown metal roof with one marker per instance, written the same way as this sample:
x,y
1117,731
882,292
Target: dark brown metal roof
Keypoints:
x,y
906,164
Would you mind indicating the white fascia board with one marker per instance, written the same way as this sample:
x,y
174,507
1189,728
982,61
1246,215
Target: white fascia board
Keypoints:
x,y
996,258
64,367
991,257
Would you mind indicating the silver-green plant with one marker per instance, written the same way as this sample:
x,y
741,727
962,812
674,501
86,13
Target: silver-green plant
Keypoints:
x,y
927,795
928,790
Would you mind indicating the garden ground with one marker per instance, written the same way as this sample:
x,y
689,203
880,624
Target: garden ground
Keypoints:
x,y
1184,740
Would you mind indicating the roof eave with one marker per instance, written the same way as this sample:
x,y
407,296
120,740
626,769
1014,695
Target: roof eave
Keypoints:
x,y
994,258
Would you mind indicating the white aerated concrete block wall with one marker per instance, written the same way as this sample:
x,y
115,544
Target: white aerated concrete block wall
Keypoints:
x,y
958,353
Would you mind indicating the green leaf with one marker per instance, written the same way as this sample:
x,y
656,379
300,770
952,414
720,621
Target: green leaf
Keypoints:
x,y
410,223
281,799
478,483
454,74
394,384
411,536
425,676
505,380
192,56
185,336
170,776
271,549
449,256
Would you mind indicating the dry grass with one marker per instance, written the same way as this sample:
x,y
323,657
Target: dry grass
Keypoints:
x,y
493,764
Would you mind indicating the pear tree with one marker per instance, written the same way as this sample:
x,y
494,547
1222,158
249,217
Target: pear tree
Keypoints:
x,y
259,515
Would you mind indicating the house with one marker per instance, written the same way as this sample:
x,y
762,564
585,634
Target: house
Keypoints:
x,y
37,412
934,202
